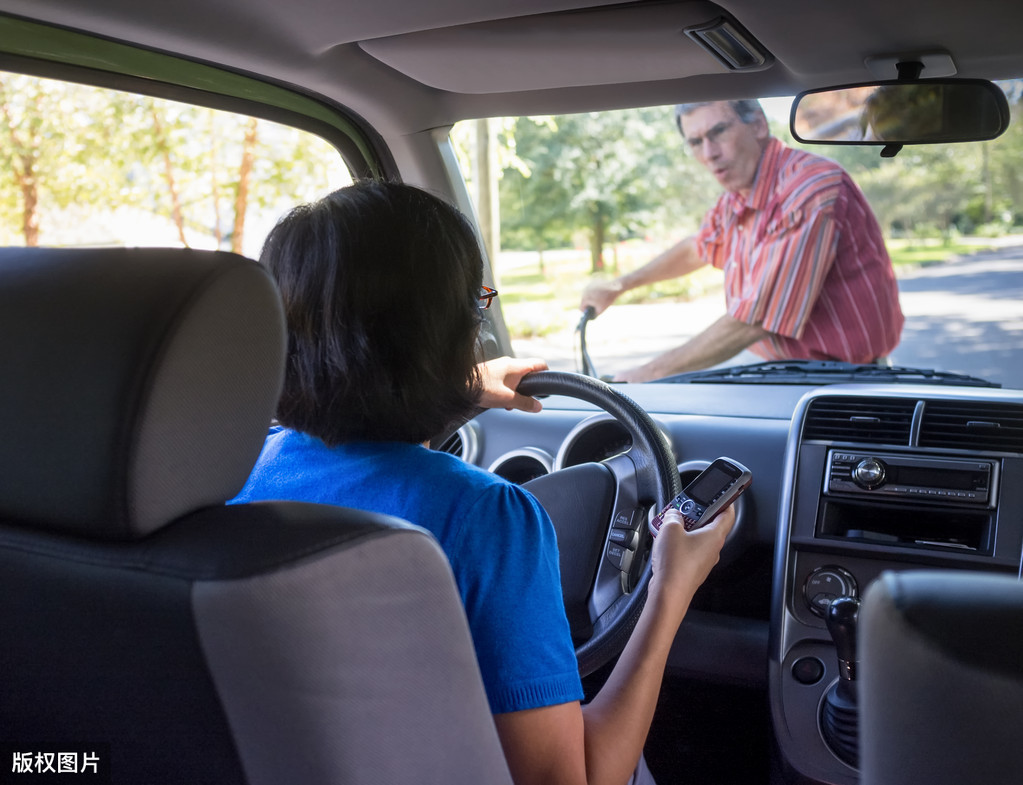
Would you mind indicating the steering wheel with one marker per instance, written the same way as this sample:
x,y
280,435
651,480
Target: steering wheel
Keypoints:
x,y
599,511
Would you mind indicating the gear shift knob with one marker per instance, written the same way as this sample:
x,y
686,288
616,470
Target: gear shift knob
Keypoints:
x,y
839,713
841,620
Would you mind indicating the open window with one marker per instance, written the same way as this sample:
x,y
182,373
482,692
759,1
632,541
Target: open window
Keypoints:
x,y
86,165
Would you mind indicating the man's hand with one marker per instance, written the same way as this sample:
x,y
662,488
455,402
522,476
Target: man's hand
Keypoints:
x,y
599,294
721,341
637,374
500,378
680,259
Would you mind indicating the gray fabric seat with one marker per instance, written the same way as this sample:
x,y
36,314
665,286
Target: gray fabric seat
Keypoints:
x,y
941,687
173,637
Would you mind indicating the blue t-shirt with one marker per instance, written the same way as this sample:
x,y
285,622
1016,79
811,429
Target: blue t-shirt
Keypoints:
x,y
499,540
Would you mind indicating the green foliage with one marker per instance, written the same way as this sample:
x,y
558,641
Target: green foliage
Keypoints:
x,y
942,189
612,175
80,164
46,139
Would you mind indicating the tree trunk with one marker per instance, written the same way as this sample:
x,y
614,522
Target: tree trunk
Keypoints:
x,y
241,199
30,204
485,175
986,169
168,174
597,237
23,163
218,227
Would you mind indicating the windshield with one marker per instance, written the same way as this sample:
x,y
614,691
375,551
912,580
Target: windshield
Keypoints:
x,y
596,197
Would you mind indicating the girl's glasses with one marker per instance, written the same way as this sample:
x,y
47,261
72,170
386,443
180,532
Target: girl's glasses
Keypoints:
x,y
487,296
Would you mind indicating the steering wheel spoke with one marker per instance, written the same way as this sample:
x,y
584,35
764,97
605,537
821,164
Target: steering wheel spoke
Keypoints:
x,y
599,513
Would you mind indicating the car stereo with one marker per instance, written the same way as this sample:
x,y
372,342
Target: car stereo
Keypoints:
x,y
970,482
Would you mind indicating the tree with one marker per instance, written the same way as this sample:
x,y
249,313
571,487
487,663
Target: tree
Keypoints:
x,y
24,142
164,150
534,204
95,152
1004,169
48,151
614,174
244,184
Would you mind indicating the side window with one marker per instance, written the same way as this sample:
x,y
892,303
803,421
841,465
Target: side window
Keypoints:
x,y
86,165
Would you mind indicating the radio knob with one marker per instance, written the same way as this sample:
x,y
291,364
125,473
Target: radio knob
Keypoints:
x,y
869,473
825,584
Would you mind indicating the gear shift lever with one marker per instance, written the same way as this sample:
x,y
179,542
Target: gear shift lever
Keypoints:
x,y
839,713
841,621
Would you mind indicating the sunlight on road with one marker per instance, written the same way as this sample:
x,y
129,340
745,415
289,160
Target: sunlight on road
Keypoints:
x,y
626,335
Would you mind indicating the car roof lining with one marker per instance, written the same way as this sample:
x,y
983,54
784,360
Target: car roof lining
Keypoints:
x,y
409,67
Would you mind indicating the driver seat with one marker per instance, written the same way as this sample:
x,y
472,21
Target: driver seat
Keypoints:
x,y
159,635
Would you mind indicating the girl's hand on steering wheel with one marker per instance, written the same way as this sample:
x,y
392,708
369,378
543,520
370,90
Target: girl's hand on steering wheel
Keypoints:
x,y
500,378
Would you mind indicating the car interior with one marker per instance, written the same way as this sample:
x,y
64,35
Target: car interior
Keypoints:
x,y
147,603
865,621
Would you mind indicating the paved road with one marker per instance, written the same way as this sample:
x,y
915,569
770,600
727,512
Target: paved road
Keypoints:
x,y
965,315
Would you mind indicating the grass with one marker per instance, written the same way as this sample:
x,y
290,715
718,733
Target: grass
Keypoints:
x,y
915,252
541,296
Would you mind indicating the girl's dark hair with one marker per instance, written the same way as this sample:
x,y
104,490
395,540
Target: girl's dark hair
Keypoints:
x,y
380,283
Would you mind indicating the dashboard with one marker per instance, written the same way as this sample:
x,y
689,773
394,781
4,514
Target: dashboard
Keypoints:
x,y
850,480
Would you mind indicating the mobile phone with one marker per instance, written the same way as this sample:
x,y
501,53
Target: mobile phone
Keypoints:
x,y
714,488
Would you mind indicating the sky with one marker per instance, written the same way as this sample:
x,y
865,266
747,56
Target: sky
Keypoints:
x,y
777,108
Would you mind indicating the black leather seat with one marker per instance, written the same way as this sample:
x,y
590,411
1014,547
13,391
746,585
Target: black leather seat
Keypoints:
x,y
941,686
173,637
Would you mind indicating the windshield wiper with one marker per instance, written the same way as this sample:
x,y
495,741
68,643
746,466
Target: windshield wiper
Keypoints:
x,y
824,372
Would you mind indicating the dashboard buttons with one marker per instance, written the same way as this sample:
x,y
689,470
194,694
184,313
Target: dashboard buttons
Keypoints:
x,y
825,584
622,543
620,557
808,670
626,521
624,537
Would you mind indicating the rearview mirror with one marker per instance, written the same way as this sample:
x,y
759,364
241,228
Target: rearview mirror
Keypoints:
x,y
901,112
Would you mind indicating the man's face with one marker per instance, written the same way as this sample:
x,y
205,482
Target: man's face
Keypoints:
x,y
728,147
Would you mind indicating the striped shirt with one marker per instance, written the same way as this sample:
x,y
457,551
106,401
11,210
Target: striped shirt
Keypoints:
x,y
804,257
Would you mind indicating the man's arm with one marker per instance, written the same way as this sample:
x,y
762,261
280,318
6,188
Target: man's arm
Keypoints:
x,y
680,259
602,741
724,339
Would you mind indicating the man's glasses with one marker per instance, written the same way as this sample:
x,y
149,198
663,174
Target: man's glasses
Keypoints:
x,y
713,136
487,296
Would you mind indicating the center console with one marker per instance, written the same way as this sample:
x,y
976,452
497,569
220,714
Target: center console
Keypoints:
x,y
879,479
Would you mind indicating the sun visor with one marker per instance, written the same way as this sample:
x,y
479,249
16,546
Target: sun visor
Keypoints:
x,y
649,42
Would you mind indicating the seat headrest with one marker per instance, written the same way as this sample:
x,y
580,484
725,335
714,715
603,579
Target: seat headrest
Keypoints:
x,y
953,615
137,384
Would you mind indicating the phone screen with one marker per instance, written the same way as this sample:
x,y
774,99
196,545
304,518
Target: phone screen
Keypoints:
x,y
705,488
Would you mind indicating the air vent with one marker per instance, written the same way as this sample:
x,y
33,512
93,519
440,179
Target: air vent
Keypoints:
x,y
465,443
452,445
974,426
865,420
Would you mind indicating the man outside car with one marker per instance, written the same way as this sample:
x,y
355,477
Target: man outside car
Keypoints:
x,y
806,272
